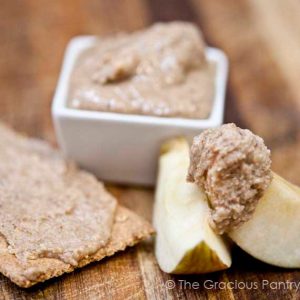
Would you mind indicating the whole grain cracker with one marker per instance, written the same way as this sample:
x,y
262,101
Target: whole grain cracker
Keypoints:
x,y
127,230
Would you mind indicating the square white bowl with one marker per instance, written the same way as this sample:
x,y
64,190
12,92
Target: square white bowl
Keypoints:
x,y
118,147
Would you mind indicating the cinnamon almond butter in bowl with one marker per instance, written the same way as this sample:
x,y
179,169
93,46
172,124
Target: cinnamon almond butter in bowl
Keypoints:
x,y
121,94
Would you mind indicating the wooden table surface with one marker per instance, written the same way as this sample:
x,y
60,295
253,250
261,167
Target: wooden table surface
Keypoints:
x,y
262,40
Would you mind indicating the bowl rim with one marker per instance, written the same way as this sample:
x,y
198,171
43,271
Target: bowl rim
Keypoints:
x,y
79,43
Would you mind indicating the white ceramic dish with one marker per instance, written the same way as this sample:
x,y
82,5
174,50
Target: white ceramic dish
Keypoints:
x,y
118,147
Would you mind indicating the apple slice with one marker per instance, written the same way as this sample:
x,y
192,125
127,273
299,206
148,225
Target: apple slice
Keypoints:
x,y
272,235
185,243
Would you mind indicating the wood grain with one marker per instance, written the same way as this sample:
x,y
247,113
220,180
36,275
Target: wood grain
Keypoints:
x,y
262,40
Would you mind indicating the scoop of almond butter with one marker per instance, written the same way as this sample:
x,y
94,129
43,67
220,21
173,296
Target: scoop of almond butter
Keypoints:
x,y
233,166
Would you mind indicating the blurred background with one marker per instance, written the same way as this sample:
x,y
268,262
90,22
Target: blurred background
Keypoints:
x,y
261,39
